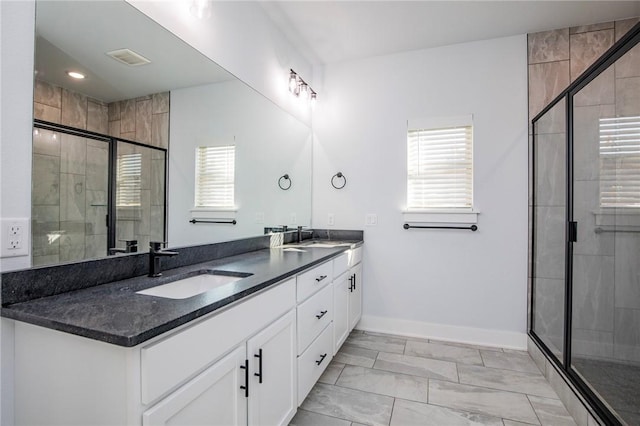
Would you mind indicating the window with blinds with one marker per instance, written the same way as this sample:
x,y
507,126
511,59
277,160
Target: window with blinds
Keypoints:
x,y
215,176
440,168
620,162
129,180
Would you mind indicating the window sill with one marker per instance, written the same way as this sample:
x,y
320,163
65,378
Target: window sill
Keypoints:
x,y
213,213
441,217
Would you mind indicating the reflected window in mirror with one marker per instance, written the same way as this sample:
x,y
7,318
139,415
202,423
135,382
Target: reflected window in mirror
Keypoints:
x,y
215,177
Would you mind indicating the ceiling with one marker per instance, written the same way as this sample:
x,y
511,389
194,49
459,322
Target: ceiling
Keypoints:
x,y
336,31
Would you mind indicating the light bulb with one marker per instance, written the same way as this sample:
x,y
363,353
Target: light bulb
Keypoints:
x,y
304,91
293,82
314,98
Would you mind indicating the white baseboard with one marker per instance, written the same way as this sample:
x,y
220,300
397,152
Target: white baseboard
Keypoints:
x,y
450,333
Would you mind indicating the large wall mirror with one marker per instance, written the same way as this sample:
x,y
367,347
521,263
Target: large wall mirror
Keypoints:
x,y
118,154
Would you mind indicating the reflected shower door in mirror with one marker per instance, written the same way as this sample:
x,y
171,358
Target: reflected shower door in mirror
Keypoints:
x,y
549,218
70,178
139,196
605,339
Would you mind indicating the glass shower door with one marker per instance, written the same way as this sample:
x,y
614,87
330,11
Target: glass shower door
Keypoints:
x,y
69,197
605,342
139,195
549,218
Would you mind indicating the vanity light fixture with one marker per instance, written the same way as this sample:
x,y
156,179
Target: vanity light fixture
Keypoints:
x,y
299,88
75,74
201,9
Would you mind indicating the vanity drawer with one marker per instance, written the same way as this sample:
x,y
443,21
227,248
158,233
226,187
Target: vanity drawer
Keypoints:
x,y
355,256
311,281
313,362
341,264
180,356
313,316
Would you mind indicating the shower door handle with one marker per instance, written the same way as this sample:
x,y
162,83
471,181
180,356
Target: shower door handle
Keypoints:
x,y
573,232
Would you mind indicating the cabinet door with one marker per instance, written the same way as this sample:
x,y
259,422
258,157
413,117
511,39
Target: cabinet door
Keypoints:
x,y
341,295
212,398
355,296
272,355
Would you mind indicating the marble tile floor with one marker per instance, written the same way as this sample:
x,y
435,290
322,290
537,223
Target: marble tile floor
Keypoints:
x,y
378,379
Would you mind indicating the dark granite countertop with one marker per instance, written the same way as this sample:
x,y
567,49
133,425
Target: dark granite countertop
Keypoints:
x,y
114,313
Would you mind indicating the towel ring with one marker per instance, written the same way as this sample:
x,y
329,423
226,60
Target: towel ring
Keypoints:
x,y
338,175
284,177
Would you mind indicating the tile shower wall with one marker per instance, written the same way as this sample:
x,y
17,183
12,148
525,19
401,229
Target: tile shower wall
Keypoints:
x,y
607,296
69,202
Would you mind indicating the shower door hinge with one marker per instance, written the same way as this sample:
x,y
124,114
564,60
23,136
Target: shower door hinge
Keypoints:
x,y
573,232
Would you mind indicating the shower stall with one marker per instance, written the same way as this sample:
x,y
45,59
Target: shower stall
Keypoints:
x,y
94,195
585,233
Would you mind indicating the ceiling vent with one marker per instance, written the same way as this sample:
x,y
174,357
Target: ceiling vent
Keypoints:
x,y
128,57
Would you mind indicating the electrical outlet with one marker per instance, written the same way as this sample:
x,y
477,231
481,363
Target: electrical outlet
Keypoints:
x,y
14,237
293,219
331,219
371,219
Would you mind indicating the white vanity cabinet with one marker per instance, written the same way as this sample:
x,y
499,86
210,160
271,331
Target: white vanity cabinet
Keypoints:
x,y
347,295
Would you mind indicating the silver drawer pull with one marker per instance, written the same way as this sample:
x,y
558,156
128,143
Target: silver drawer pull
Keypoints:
x,y
322,357
322,313
320,278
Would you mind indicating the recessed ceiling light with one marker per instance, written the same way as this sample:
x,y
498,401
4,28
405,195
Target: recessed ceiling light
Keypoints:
x,y
75,74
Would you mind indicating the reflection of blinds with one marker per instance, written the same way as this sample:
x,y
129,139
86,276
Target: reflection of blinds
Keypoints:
x,y
128,180
215,170
620,162
440,168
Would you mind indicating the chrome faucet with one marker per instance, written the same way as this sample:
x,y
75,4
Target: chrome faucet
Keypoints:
x,y
155,253
300,231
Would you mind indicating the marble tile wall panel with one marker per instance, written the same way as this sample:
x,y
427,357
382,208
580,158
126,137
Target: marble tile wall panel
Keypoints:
x,y
97,168
628,97
593,292
592,343
73,154
160,130
72,197
95,246
567,395
97,117
46,142
546,81
548,301
143,120
553,121
95,212
47,113
47,94
74,109
128,116
157,182
130,136
160,102
627,271
589,28
72,241
142,225
585,204
550,179
627,335
624,25
587,47
156,224
114,128
629,64
587,140
46,180
600,91
548,46
114,111
550,246
45,222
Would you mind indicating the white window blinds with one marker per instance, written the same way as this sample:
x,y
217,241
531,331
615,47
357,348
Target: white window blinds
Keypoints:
x,y
215,174
620,162
440,168
128,180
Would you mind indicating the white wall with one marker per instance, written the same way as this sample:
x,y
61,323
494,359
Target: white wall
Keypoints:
x,y
269,143
456,285
16,120
241,38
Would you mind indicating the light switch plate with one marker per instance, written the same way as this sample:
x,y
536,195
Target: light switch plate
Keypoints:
x,y
331,220
371,219
14,237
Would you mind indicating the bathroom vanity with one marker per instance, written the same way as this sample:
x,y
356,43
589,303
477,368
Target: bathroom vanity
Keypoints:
x,y
245,352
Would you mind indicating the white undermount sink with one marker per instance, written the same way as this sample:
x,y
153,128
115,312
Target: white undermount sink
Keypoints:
x,y
199,283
